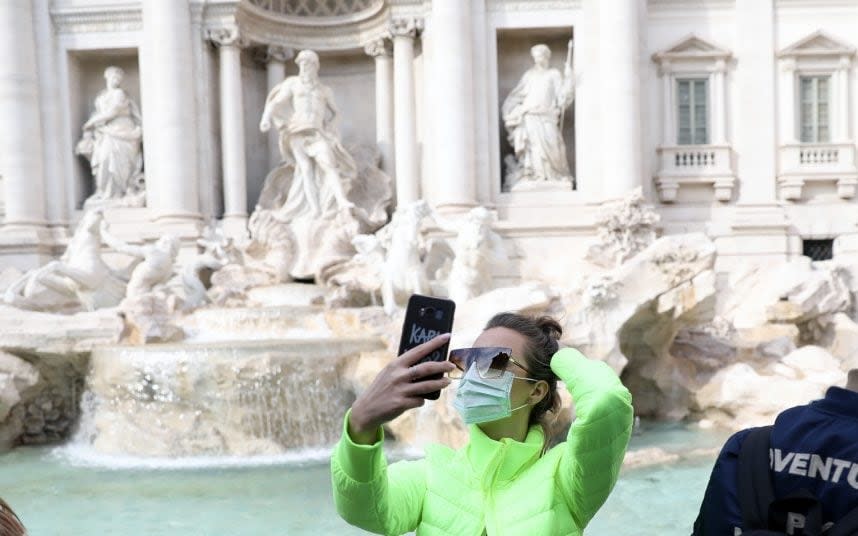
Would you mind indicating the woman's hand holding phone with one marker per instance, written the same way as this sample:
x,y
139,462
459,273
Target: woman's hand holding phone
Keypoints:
x,y
397,388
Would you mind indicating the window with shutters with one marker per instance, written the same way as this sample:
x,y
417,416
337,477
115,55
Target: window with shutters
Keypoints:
x,y
692,111
815,99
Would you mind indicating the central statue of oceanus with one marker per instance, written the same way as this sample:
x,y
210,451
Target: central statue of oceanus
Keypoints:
x,y
322,194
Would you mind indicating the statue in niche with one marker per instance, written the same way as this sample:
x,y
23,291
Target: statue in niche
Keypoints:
x,y
80,279
112,142
322,194
533,115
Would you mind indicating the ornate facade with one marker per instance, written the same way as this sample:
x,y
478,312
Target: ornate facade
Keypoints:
x,y
734,117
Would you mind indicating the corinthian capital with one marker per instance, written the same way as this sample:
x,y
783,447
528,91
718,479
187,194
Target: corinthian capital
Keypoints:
x,y
406,27
377,47
226,36
278,53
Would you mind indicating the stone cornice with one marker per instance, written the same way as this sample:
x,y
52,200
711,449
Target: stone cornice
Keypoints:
x,y
100,18
532,5
689,5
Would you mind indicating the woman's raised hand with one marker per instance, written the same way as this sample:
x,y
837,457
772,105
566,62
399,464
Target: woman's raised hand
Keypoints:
x,y
397,388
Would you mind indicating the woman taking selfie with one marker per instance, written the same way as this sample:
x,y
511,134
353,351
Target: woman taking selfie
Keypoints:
x,y
504,481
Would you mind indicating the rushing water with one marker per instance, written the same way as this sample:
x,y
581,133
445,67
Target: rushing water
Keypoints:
x,y
55,493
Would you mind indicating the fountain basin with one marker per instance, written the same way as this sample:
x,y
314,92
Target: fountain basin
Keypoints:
x,y
218,399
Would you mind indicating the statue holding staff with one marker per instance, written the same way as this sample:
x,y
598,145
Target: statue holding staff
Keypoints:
x,y
533,116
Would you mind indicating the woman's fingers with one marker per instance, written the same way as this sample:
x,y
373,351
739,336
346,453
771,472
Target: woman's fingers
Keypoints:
x,y
425,387
419,352
421,370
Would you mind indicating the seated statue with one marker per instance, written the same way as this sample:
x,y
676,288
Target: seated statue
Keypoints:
x,y
112,142
80,279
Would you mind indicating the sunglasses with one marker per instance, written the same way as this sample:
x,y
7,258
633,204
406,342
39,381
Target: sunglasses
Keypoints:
x,y
490,361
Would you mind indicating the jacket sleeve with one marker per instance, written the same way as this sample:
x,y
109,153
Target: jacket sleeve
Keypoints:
x,y
371,495
598,437
720,512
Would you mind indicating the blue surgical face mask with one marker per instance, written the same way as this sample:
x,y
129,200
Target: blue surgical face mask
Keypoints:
x,y
480,400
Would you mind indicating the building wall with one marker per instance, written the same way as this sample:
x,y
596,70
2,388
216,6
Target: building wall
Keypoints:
x,y
503,32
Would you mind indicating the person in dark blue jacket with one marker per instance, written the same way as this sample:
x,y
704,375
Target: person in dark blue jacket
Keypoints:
x,y
812,447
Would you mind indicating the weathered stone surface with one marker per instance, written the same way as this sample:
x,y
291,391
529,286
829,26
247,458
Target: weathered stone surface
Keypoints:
x,y
44,333
16,376
740,396
795,292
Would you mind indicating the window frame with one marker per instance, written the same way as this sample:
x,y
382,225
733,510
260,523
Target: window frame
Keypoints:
x,y
815,75
706,79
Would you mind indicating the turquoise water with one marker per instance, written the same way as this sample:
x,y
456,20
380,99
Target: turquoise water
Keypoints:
x,y
54,496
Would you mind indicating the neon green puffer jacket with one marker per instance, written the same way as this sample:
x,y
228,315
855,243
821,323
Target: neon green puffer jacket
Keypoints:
x,y
500,487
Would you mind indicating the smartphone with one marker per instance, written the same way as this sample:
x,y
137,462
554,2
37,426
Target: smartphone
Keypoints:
x,y
425,318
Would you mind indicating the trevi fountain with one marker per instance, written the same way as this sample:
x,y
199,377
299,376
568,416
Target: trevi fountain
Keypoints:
x,y
214,211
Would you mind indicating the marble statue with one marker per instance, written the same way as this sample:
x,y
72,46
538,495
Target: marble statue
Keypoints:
x,y
323,168
476,250
625,227
112,142
322,194
533,115
156,262
218,250
403,273
79,279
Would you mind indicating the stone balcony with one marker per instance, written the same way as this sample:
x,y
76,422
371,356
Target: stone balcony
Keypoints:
x,y
695,164
801,163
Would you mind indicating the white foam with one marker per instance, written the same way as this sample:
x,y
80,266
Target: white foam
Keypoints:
x,y
81,455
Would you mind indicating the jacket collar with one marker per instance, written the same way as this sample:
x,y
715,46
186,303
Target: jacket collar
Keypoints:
x,y
840,401
498,461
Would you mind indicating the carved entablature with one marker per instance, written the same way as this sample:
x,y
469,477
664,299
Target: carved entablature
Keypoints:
x,y
99,18
316,8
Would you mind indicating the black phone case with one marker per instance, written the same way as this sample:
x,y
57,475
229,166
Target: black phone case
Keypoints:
x,y
425,318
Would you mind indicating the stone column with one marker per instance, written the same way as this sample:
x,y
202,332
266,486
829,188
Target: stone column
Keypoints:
x,y
452,90
275,69
232,131
169,114
384,131
404,32
786,103
620,97
668,134
719,110
21,165
844,67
